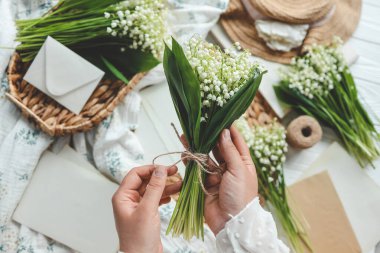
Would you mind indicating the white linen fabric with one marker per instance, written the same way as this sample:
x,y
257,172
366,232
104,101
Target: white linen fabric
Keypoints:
x,y
20,144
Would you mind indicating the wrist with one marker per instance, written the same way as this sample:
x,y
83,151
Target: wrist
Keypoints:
x,y
230,217
216,227
132,249
124,249
219,228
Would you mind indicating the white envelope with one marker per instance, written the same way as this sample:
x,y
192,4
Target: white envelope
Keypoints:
x,y
63,75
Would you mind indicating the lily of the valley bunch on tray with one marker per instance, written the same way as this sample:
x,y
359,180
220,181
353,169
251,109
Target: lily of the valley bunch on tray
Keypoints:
x,y
120,37
320,84
210,89
268,147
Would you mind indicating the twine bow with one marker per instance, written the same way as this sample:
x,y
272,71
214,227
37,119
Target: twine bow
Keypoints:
x,y
204,163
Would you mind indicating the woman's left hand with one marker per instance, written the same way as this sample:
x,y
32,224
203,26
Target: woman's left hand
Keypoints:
x,y
135,206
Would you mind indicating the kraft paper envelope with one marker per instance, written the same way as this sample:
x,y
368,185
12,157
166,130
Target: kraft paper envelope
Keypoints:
x,y
63,75
326,222
359,194
71,204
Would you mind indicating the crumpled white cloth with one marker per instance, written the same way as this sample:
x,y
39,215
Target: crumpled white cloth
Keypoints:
x,y
112,147
281,36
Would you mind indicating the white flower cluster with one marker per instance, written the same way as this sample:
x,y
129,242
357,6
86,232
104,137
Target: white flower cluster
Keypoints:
x,y
268,145
221,74
142,21
316,72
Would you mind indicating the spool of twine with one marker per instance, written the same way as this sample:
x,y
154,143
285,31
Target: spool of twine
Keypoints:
x,y
303,132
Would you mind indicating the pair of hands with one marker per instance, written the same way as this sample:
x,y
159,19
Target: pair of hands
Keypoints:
x,y
144,188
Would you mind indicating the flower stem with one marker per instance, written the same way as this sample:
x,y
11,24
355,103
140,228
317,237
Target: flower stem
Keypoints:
x,y
187,218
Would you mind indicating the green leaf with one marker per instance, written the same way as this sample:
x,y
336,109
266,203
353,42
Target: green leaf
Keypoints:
x,y
231,111
191,87
87,4
177,95
114,70
128,63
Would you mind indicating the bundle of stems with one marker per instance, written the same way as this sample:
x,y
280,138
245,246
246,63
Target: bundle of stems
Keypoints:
x,y
268,148
320,84
119,37
210,89
70,29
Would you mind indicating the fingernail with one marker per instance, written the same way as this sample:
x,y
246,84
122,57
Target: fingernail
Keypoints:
x,y
226,135
160,171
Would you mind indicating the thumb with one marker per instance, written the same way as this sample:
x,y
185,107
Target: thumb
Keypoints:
x,y
155,188
229,152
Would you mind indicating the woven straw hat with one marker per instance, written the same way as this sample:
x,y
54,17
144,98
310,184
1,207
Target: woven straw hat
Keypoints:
x,y
342,22
293,11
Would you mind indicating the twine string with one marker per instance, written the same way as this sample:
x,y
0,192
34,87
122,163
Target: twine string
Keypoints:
x,y
203,161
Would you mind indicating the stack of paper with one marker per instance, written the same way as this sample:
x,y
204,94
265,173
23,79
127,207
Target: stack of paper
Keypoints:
x,y
70,201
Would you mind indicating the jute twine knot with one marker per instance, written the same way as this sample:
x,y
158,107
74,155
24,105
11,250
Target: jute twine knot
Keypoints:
x,y
203,161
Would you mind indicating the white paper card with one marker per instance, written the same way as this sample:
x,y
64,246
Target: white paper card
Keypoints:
x,y
359,194
155,131
71,155
71,204
63,75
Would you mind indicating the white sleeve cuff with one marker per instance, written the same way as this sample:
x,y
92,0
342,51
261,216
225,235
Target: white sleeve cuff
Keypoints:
x,y
252,230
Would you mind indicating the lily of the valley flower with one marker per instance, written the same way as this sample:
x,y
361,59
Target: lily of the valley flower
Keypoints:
x,y
143,21
314,73
268,144
221,73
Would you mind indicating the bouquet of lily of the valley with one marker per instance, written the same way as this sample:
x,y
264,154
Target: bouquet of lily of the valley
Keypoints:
x,y
120,37
210,89
268,147
321,85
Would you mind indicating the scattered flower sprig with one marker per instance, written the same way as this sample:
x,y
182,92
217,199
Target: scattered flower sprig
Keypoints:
x,y
320,84
316,72
268,144
268,147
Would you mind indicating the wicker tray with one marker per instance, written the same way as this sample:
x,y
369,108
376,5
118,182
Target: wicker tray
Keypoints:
x,y
53,118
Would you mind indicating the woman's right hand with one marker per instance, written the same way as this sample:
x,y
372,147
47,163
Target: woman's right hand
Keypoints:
x,y
236,187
